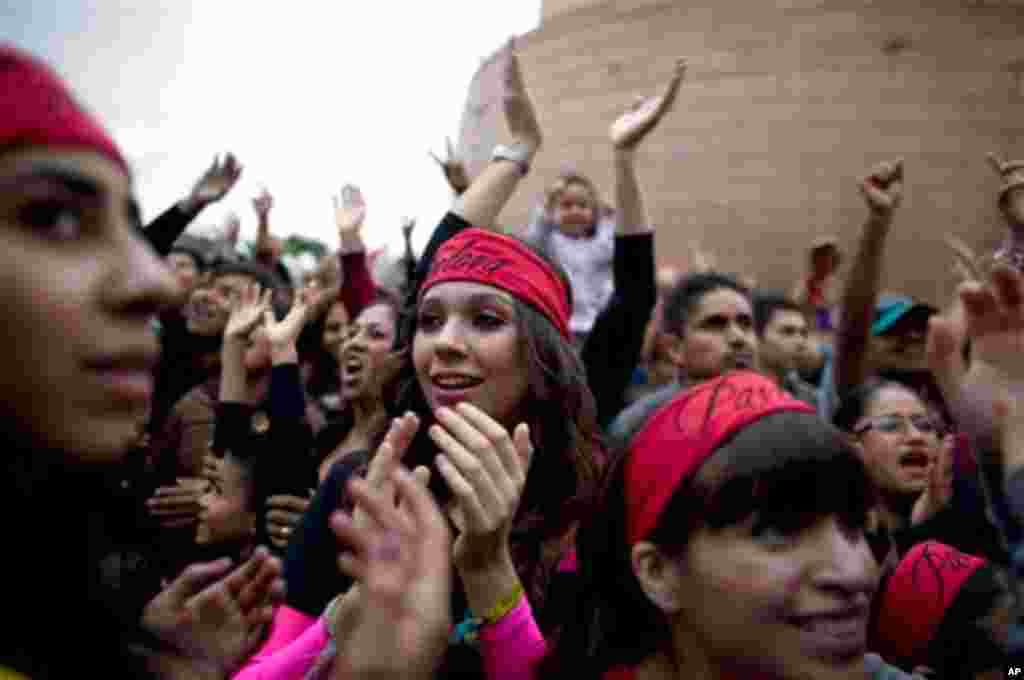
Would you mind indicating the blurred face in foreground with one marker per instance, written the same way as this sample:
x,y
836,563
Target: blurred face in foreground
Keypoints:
x,y
79,287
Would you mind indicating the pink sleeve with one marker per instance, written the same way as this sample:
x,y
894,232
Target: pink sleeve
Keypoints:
x,y
513,647
289,624
292,662
357,287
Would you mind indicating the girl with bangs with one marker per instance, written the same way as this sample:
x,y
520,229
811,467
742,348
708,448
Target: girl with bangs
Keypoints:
x,y
729,542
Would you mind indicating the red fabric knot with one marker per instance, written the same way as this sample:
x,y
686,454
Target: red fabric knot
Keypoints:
x,y
482,256
684,433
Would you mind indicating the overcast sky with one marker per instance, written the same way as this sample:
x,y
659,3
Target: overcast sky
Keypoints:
x,y
309,94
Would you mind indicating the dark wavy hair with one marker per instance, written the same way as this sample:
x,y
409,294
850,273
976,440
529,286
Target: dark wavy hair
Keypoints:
x,y
684,297
790,468
562,415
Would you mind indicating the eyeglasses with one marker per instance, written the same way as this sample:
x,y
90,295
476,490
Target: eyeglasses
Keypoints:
x,y
892,424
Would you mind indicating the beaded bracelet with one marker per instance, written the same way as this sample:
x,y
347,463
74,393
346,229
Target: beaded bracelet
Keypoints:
x,y
503,606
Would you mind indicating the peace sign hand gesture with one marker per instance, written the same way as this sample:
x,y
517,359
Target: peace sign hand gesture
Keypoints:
x,y
453,168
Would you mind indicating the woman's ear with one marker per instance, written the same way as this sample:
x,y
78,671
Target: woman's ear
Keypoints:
x,y
659,575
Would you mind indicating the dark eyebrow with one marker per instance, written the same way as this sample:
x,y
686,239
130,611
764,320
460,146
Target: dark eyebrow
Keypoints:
x,y
73,181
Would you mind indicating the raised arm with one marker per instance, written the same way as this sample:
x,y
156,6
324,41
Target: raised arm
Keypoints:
x,y
883,192
246,314
211,187
481,203
357,287
626,133
487,195
264,249
615,342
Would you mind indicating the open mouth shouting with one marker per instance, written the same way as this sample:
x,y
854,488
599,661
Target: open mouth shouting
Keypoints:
x,y
916,462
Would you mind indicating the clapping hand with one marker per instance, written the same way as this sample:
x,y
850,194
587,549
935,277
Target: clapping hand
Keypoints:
x,y
398,614
216,182
645,114
485,468
175,507
519,110
939,491
214,618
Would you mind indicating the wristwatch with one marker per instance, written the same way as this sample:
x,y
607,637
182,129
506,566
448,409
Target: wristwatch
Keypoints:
x,y
517,153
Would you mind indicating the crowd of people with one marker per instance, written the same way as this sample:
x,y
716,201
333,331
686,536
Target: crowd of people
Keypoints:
x,y
521,455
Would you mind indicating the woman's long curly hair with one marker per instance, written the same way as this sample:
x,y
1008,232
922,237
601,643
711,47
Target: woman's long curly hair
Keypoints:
x,y
561,413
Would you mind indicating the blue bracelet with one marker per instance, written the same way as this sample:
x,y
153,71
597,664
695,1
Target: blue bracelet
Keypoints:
x,y
467,632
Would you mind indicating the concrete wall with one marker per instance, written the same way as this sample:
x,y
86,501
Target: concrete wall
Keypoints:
x,y
785,105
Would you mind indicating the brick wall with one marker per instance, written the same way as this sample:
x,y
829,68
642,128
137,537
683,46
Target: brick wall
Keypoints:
x,y
785,105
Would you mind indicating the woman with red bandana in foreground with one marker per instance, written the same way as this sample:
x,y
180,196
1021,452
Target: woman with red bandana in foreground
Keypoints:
x,y
729,544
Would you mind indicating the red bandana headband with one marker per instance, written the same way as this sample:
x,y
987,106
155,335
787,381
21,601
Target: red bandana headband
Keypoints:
x,y
684,433
495,260
917,596
37,109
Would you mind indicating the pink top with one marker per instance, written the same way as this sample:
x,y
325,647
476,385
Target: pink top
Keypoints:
x,y
513,647
290,626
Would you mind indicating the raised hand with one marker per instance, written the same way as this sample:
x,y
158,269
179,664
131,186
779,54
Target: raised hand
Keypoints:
x,y
232,228
349,210
485,468
247,312
883,189
214,618
283,334
995,322
965,263
216,182
453,168
408,224
388,457
1011,194
701,260
177,506
519,110
262,204
631,128
398,614
939,491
